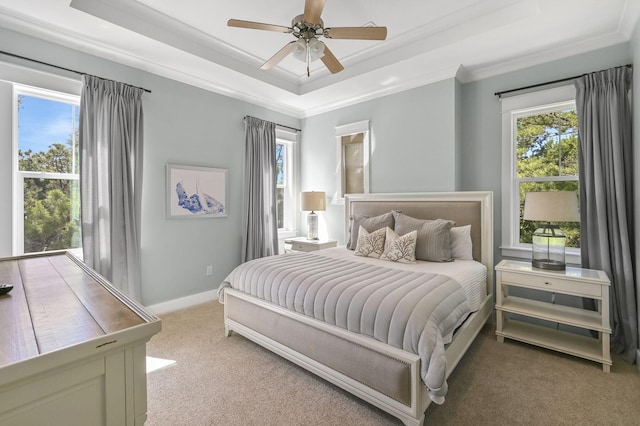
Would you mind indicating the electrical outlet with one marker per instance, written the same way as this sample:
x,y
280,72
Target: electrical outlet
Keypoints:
x,y
209,270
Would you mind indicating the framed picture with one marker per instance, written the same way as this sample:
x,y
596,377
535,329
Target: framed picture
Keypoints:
x,y
196,192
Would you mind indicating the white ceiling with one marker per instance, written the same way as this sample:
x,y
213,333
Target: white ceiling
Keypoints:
x,y
428,40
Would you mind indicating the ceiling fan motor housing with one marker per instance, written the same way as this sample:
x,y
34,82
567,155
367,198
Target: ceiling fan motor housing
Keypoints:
x,y
304,30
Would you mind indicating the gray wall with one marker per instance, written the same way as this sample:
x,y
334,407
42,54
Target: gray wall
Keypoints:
x,y
441,137
411,146
481,123
445,136
185,125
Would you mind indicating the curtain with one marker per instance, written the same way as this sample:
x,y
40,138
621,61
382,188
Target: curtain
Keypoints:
x,y
603,101
111,139
260,227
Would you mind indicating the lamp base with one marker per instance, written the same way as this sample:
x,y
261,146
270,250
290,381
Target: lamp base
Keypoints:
x,y
312,224
548,264
548,248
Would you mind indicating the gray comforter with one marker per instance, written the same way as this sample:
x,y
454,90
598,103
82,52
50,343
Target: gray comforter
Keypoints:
x,y
408,310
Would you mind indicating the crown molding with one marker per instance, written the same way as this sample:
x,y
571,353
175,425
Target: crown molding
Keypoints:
x,y
481,72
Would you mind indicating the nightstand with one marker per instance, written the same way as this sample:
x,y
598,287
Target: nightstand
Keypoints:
x,y
579,282
304,244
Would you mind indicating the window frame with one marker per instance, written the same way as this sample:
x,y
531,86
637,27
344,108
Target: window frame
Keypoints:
x,y
19,176
289,140
514,107
346,130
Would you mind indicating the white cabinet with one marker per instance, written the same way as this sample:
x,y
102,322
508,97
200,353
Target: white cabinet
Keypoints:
x,y
72,347
578,282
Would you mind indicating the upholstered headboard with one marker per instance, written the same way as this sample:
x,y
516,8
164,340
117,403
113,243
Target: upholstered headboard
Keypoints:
x,y
473,208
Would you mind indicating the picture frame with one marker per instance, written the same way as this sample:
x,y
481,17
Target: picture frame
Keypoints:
x,y
196,192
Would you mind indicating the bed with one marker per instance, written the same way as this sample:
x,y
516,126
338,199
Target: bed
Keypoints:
x,y
401,375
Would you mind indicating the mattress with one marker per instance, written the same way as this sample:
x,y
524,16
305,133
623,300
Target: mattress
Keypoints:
x,y
471,275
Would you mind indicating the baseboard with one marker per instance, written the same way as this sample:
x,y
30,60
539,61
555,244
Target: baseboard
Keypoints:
x,y
183,302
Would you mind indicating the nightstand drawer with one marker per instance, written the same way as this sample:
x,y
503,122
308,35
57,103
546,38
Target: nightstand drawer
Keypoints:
x,y
558,285
296,246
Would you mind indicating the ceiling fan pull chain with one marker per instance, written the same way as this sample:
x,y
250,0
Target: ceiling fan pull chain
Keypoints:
x,y
308,60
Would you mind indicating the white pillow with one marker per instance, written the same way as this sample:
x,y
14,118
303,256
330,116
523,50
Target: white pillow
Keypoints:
x,y
370,244
400,249
461,245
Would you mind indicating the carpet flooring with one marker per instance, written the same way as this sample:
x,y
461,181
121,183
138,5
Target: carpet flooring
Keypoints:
x,y
219,380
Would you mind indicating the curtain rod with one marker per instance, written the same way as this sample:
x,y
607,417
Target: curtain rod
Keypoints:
x,y
499,94
63,68
277,124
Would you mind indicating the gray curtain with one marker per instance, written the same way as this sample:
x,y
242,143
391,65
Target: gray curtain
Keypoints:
x,y
260,227
111,137
603,101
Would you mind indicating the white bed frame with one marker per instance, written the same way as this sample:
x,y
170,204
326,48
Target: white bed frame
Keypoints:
x,y
413,412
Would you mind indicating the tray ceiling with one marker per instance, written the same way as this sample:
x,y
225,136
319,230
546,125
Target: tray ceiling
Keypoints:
x,y
428,40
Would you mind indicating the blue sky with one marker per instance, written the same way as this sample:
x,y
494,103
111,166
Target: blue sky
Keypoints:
x,y
42,122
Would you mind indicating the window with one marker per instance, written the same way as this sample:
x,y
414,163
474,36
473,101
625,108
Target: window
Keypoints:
x,y
540,153
353,155
286,193
47,196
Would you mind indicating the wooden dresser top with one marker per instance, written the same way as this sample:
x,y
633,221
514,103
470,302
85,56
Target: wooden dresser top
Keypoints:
x,y
57,302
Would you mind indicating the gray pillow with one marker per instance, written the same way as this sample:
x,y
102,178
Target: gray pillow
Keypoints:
x,y
433,242
370,224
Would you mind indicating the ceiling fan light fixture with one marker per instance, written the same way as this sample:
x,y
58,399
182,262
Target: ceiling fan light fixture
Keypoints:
x,y
307,28
300,50
316,49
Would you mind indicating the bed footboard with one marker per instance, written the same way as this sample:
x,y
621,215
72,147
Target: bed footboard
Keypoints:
x,y
382,375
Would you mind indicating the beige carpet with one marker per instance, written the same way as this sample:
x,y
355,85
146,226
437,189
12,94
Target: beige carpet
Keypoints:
x,y
232,381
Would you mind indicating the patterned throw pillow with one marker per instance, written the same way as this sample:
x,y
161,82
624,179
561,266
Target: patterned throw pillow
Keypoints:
x,y
400,249
370,244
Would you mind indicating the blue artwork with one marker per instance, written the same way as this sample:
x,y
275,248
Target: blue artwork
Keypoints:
x,y
196,192
198,203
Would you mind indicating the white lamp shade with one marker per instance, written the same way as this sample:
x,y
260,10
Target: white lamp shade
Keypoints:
x,y
553,206
313,201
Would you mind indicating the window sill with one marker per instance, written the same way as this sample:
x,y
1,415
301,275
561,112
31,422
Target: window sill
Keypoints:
x,y
572,257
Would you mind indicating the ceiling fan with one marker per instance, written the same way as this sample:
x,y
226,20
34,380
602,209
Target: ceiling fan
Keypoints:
x,y
307,28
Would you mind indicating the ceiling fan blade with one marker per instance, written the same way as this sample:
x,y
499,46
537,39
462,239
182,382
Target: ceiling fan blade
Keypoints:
x,y
312,11
257,26
358,33
331,62
275,59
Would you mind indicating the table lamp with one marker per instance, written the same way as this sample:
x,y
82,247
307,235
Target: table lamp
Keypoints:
x,y
313,201
548,239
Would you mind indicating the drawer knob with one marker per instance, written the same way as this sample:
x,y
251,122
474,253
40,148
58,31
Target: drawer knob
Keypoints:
x,y
547,283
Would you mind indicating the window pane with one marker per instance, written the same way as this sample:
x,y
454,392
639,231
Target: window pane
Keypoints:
x,y
51,214
527,227
47,135
353,164
280,207
281,180
547,144
280,164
